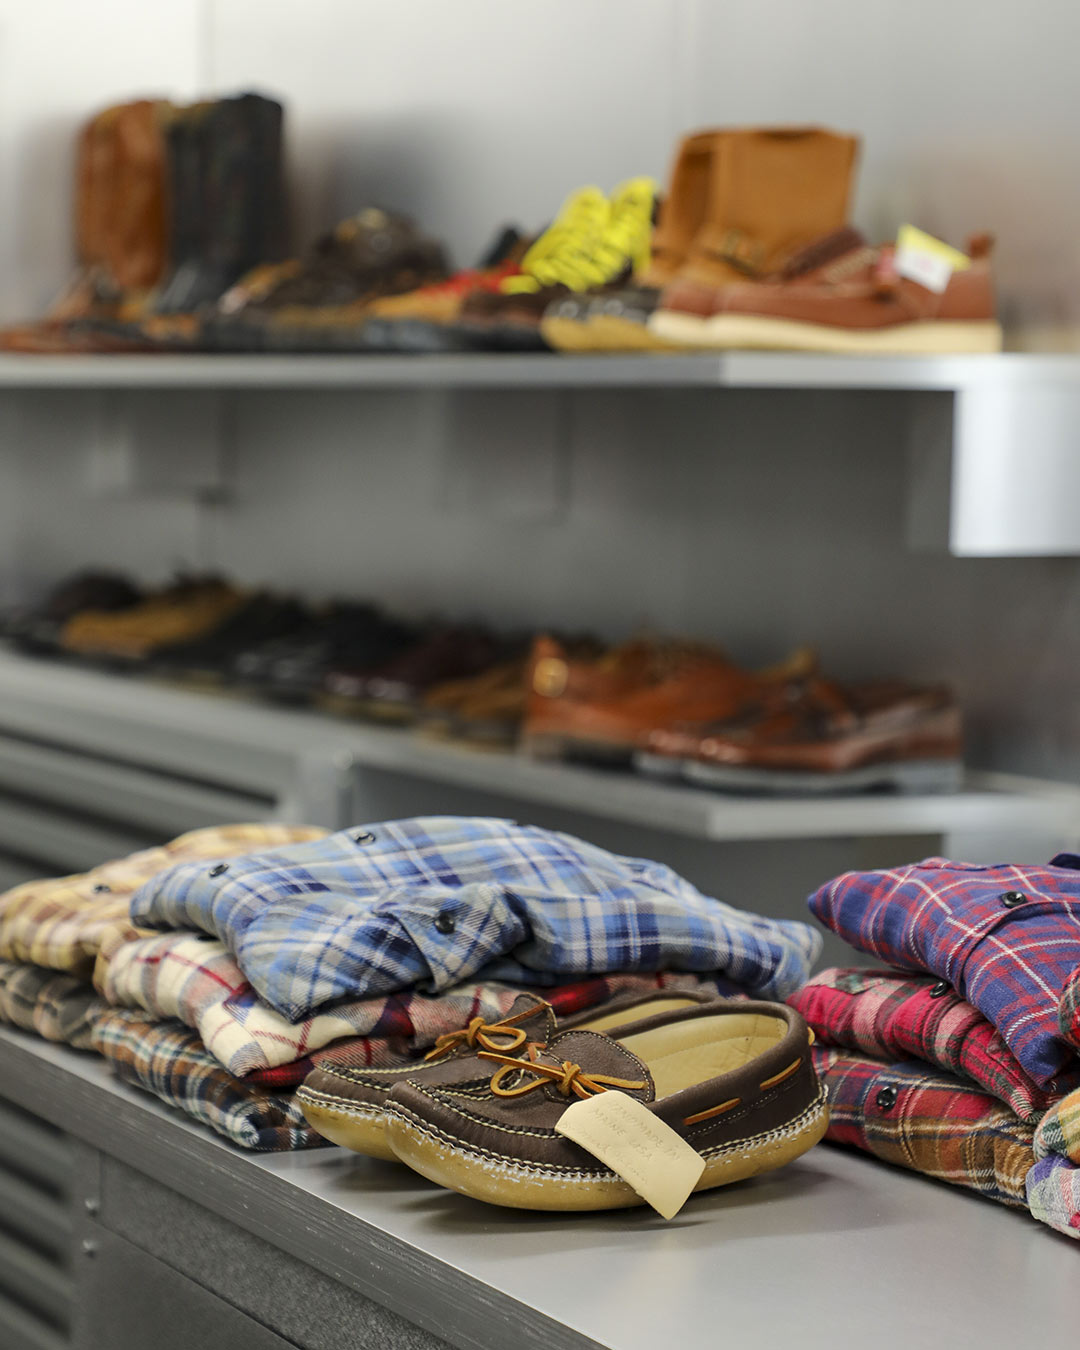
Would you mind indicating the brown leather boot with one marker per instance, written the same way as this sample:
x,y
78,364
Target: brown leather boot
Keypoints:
x,y
119,219
772,191
614,319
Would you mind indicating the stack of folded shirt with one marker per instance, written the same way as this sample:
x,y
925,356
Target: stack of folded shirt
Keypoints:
x,y
227,974
961,1060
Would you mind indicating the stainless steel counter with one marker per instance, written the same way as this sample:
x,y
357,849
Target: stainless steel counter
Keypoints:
x,y
835,1241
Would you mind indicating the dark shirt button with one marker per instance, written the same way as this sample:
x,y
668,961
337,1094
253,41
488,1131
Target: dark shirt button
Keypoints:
x,y
886,1099
445,922
101,888
365,837
218,868
940,989
1010,899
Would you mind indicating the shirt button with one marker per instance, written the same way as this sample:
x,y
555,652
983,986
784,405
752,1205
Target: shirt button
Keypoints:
x,y
886,1099
940,989
1010,899
218,868
364,837
445,922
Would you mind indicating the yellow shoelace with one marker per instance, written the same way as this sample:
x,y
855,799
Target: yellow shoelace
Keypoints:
x,y
566,1077
592,241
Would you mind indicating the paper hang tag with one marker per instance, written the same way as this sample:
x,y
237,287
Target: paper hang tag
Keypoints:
x,y
639,1147
922,258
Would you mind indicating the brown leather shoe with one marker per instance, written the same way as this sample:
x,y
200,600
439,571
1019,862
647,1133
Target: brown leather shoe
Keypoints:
x,y
649,687
735,1081
843,296
347,1103
825,737
772,192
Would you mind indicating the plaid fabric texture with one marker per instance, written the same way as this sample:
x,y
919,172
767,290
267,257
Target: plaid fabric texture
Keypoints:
x,y
57,1007
439,900
191,977
1069,1009
890,1016
927,1121
170,1061
1053,1194
1053,1184
59,923
1007,938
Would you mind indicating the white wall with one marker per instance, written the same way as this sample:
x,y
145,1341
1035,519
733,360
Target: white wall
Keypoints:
x,y
759,520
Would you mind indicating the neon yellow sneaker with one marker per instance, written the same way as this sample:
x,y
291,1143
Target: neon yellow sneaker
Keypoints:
x,y
593,241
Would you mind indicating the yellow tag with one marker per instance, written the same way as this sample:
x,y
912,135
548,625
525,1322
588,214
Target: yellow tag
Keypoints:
x,y
639,1147
922,258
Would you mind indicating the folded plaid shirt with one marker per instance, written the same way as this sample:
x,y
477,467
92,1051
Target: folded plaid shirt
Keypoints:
x,y
1007,938
191,977
170,1061
59,923
57,1007
436,901
1054,1182
1069,1009
890,1015
927,1121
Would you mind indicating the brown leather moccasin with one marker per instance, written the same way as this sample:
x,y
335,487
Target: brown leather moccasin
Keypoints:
x,y
735,1081
347,1104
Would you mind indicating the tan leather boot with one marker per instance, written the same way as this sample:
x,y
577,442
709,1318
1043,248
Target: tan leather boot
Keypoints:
x,y
772,191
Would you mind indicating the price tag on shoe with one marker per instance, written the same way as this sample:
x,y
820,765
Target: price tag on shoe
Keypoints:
x,y
638,1146
922,258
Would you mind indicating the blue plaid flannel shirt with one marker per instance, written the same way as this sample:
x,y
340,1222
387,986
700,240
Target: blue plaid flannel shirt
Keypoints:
x,y
434,901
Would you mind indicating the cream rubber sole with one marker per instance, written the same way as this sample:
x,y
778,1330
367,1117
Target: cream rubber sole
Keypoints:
x,y
360,1128
503,1181
602,333
734,331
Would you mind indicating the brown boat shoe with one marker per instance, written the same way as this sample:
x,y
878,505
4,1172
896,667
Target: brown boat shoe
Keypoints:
x,y
734,1080
347,1104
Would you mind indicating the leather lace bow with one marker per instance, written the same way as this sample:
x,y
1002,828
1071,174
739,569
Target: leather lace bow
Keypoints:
x,y
495,1036
566,1077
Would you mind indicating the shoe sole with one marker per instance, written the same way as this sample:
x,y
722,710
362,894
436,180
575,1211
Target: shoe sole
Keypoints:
x,y
577,749
911,777
499,1180
603,333
348,1124
725,332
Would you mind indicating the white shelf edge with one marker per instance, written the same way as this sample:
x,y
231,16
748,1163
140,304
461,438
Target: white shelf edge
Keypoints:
x,y
775,370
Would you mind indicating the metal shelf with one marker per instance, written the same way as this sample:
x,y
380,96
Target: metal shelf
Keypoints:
x,y
253,747
483,1278
733,370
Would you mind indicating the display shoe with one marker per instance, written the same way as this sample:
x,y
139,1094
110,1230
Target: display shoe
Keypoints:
x,y
486,709
679,684
394,691
593,242
210,661
615,317
424,320
321,304
734,1081
347,1103
857,301
37,628
228,198
120,228
189,609
824,737
772,192
295,668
